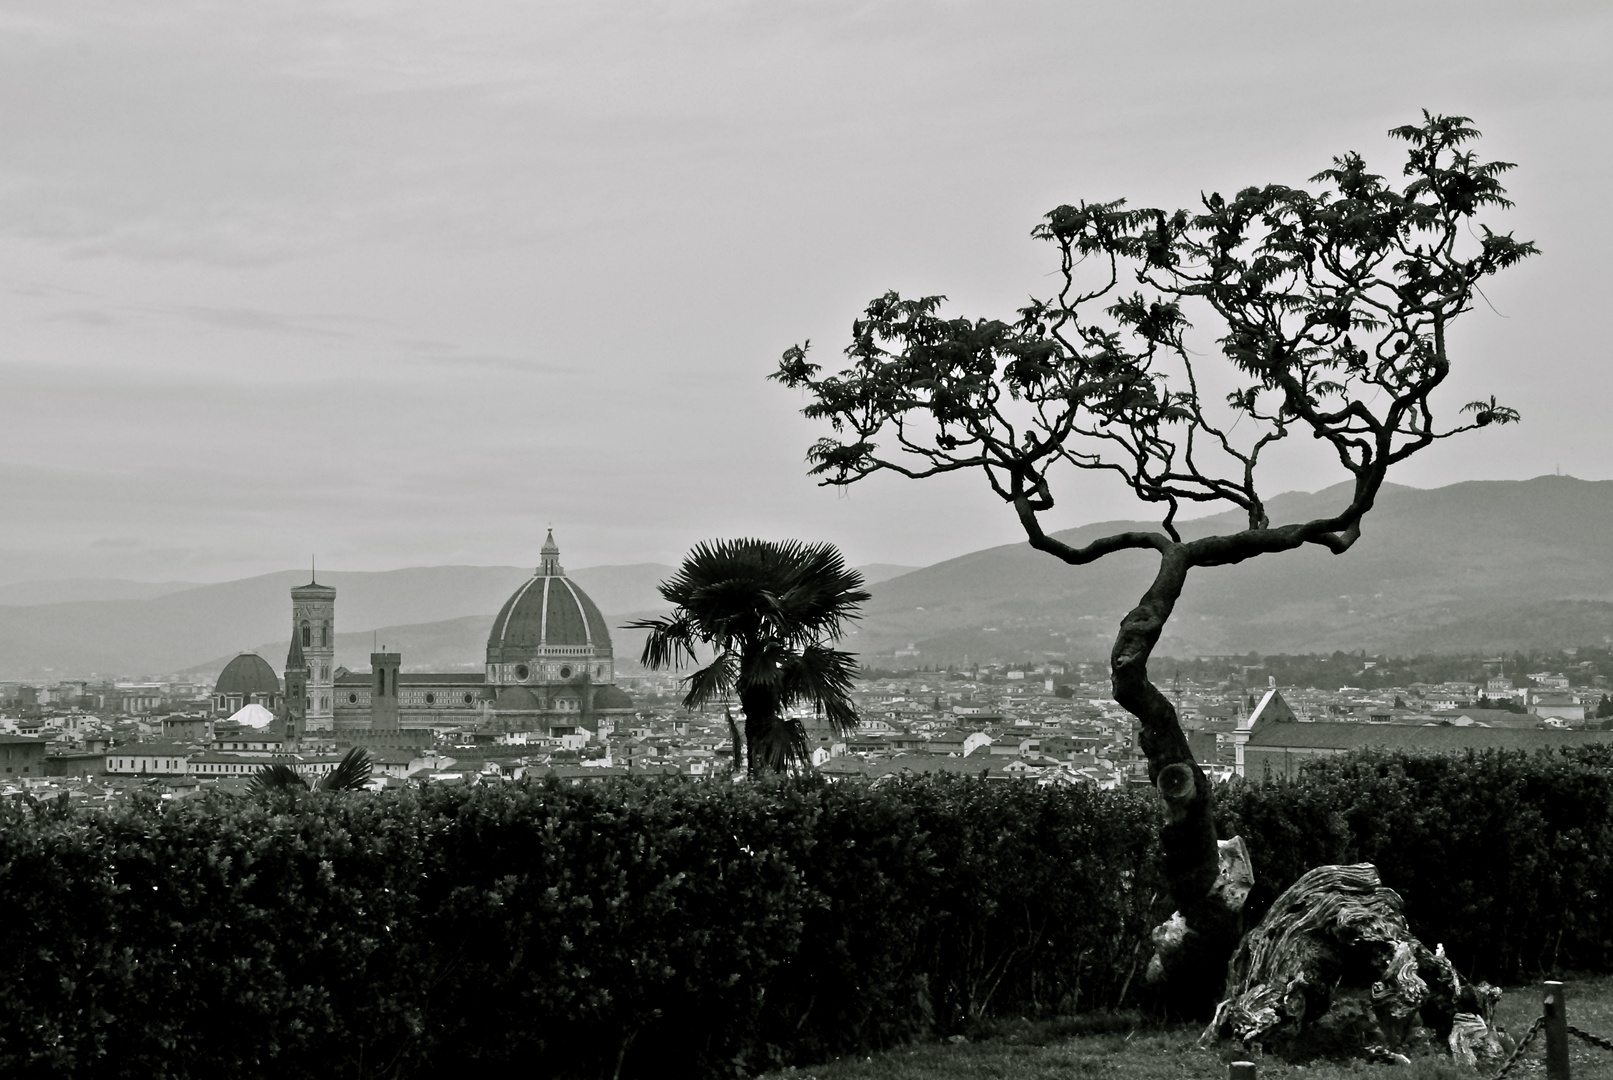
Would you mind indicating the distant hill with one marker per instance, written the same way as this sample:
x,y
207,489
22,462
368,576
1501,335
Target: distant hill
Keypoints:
x,y
1477,566
623,588
446,645
881,571
1480,565
24,593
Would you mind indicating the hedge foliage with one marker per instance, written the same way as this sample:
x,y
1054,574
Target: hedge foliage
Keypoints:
x,y
558,930
1505,858
640,928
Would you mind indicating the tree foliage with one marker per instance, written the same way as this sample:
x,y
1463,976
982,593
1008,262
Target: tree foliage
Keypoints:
x,y
769,612
1331,308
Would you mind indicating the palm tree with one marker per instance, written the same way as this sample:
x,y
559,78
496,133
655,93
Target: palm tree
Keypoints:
x,y
768,612
352,773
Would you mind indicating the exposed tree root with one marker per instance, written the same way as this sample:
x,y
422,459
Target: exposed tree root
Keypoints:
x,y
1340,926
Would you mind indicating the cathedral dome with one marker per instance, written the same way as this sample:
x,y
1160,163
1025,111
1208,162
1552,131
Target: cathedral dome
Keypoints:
x,y
246,675
548,615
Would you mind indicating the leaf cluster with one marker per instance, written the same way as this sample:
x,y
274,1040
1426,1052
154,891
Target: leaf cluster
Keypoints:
x,y
352,773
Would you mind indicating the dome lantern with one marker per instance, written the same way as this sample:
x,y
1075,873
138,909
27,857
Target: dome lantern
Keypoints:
x,y
549,558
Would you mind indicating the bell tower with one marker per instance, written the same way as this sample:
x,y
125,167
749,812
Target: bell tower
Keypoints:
x,y
294,708
313,629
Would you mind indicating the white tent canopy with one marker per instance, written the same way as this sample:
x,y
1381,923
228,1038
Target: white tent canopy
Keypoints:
x,y
253,716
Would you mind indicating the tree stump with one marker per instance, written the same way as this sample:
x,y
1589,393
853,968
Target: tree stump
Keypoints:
x,y
1340,926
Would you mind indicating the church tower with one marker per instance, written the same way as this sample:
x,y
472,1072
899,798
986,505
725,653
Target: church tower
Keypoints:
x,y
384,694
313,629
294,709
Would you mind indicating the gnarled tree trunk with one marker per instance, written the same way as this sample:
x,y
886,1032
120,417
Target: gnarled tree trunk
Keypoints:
x,y
1209,879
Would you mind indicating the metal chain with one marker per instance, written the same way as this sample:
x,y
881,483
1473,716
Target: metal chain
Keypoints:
x,y
1594,1040
1534,1029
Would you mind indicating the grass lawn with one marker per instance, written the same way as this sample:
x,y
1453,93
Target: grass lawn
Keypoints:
x,y
1131,1048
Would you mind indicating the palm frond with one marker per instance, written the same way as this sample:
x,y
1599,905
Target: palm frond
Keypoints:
x,y
350,774
275,777
712,681
822,677
763,665
776,745
669,643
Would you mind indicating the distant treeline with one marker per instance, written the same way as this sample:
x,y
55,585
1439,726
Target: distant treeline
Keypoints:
x,y
600,930
1369,671
1328,671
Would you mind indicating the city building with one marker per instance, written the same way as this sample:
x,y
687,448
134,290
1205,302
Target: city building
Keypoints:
x,y
1278,748
22,755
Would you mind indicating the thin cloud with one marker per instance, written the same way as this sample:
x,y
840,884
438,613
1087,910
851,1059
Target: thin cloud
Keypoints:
x,y
512,364
259,321
85,317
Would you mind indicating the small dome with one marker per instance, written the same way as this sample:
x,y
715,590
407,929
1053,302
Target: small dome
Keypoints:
x,y
516,699
246,675
548,610
611,697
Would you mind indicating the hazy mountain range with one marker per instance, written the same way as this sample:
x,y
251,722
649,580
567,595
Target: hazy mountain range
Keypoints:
x,y
438,617
1484,565
1476,566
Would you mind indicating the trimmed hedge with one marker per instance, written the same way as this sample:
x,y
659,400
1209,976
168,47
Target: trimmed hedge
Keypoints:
x,y
558,930
1505,858
639,927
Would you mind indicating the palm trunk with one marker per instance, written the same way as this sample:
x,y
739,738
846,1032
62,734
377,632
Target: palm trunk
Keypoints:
x,y
1208,880
761,714
739,746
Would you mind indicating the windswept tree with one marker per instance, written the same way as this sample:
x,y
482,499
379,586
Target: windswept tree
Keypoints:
x,y
1326,312
768,613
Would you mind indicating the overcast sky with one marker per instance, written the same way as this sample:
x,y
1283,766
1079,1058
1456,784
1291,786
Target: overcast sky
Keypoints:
x,y
402,284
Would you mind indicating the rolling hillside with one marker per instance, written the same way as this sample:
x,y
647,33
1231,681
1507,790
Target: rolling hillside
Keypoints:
x,y
1477,566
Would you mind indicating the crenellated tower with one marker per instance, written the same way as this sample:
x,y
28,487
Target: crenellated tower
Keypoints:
x,y
313,629
384,691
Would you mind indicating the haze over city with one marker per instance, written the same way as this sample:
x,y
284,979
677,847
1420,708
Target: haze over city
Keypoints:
x,y
401,284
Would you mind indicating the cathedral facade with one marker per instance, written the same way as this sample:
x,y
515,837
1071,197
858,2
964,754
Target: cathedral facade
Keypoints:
x,y
549,669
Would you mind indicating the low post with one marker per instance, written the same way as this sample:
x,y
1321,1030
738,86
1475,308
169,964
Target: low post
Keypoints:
x,y
1556,1032
1241,1070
